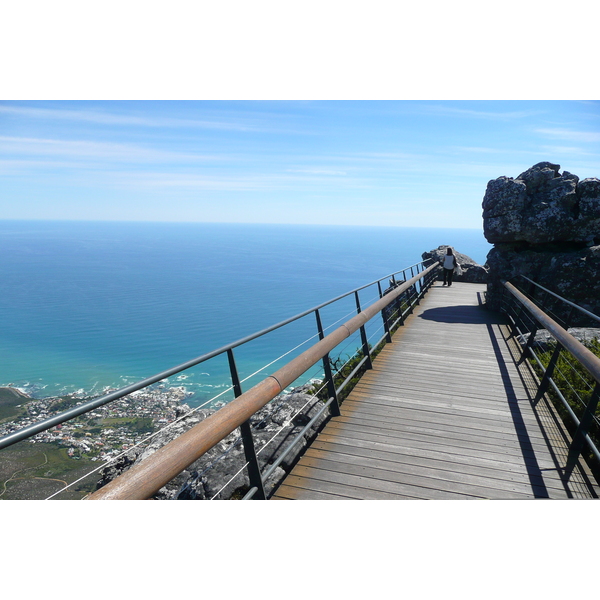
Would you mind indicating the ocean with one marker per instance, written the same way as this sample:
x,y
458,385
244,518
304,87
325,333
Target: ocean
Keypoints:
x,y
91,306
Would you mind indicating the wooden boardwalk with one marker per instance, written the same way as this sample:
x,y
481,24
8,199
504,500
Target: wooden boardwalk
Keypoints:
x,y
446,413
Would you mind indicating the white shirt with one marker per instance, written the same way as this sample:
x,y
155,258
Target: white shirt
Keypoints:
x,y
449,261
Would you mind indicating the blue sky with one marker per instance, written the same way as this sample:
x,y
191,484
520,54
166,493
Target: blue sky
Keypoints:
x,y
399,163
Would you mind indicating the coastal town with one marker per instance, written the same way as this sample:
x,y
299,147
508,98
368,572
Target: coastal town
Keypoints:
x,y
107,430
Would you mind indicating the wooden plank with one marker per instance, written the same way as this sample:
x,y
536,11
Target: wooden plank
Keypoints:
x,y
343,488
459,463
439,480
446,446
454,405
462,439
475,429
433,416
372,488
439,463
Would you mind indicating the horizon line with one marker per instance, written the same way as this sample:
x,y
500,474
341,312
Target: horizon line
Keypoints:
x,y
67,220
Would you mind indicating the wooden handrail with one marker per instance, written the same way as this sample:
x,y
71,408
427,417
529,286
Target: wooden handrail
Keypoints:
x,y
585,356
145,479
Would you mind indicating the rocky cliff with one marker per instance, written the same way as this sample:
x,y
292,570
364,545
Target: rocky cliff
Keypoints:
x,y
545,225
471,271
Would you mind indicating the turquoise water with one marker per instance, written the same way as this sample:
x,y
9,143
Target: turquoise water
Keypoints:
x,y
90,305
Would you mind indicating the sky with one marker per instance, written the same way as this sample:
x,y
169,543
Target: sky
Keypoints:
x,y
324,112
349,162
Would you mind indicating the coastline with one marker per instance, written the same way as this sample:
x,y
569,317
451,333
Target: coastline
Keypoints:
x,y
111,438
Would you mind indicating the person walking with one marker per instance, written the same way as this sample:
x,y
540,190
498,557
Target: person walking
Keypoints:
x,y
448,266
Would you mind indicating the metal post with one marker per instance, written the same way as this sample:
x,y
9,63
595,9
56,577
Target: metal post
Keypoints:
x,y
411,302
582,431
527,349
335,405
548,373
254,474
418,291
550,370
386,327
363,336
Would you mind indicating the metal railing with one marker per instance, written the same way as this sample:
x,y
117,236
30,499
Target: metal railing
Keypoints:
x,y
146,478
576,394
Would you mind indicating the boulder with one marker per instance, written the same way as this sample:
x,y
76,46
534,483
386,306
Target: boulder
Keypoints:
x,y
471,271
542,206
546,226
544,341
571,273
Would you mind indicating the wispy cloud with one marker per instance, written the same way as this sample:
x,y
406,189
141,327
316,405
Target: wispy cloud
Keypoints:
x,y
260,181
254,123
475,149
78,149
113,118
571,135
316,171
497,115
562,150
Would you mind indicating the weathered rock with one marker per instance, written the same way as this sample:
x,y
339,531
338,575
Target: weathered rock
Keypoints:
x,y
542,206
574,274
471,271
543,339
220,473
545,226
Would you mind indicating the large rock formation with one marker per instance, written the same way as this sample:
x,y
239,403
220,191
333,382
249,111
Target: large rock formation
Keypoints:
x,y
545,226
471,271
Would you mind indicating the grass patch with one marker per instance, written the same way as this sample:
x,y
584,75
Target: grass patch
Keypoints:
x,y
35,471
136,424
10,399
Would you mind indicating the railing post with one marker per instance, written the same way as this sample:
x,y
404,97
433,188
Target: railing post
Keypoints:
x,y
386,326
582,430
363,336
552,364
331,393
545,382
411,292
526,353
254,474
404,297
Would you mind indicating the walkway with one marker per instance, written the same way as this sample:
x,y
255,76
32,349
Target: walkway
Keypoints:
x,y
444,414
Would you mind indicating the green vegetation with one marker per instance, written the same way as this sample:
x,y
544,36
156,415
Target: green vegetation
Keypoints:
x,y
38,469
35,471
10,399
340,372
342,367
65,402
133,424
575,384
